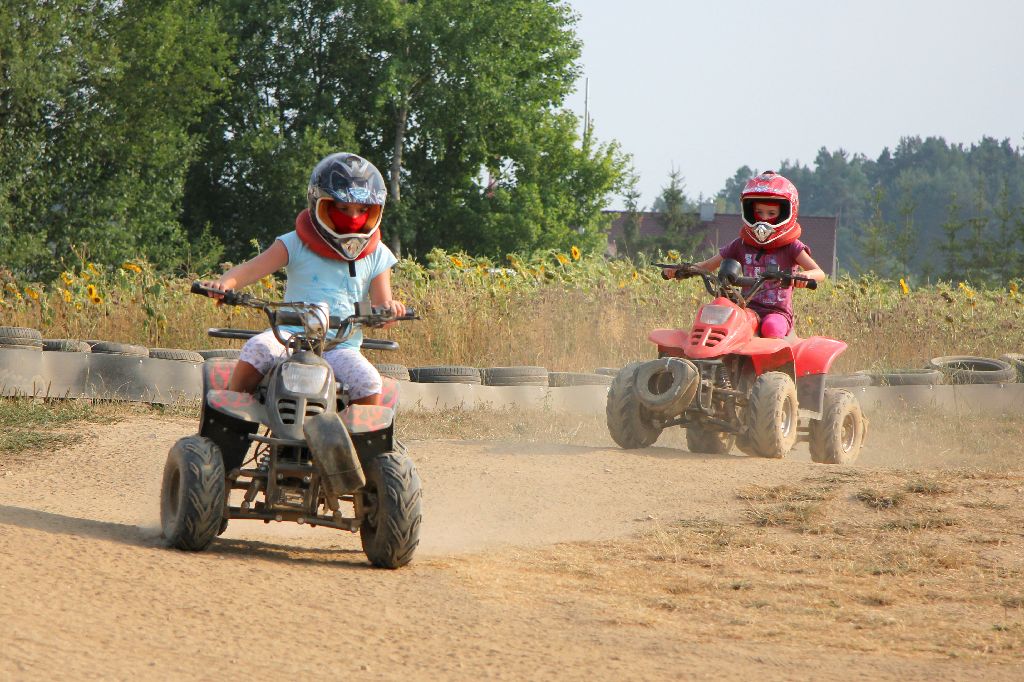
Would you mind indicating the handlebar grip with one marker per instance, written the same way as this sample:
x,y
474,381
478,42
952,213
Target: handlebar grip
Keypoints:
x,y
811,284
198,288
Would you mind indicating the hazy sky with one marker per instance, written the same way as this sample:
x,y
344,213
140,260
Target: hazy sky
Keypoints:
x,y
707,87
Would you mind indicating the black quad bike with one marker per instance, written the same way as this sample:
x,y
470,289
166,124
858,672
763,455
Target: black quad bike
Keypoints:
x,y
317,460
726,385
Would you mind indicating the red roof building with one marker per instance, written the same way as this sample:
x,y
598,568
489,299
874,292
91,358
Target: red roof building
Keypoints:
x,y
818,233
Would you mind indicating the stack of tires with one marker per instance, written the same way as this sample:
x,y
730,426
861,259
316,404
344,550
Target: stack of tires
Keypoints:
x,y
953,370
20,338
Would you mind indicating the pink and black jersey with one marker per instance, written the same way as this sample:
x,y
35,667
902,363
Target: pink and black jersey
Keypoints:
x,y
773,297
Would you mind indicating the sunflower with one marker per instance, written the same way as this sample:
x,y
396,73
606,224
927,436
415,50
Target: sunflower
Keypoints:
x,y
575,253
456,261
1013,289
90,291
32,293
66,294
903,286
636,275
131,267
95,300
68,278
92,269
562,258
267,282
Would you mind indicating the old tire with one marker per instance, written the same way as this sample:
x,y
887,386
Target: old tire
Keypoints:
x,y
230,353
192,495
1017,361
175,354
393,371
904,377
628,422
838,436
515,376
66,345
968,369
708,441
847,380
562,379
18,335
444,374
128,349
390,531
772,415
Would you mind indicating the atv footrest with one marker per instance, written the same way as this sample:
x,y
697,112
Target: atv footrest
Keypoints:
x,y
345,523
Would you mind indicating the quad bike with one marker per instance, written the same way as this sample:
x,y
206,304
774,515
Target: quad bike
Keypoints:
x,y
726,385
318,456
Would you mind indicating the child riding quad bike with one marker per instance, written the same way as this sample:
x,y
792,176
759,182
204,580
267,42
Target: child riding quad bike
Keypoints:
x,y
725,385
318,455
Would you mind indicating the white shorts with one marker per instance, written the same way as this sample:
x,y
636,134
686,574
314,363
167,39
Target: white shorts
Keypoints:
x,y
351,368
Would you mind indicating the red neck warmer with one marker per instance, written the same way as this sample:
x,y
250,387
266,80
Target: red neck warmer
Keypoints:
x,y
311,238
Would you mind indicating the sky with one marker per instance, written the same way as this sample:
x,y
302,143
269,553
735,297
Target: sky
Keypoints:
x,y
707,87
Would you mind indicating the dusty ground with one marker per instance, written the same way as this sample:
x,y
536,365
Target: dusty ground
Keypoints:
x,y
538,560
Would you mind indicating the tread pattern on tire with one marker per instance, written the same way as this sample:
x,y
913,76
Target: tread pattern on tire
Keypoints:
x,y
445,374
112,348
623,415
175,354
201,507
394,371
21,333
66,345
392,543
763,432
837,401
231,353
525,375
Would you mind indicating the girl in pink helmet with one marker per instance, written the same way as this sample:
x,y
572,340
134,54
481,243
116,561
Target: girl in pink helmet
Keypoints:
x,y
770,236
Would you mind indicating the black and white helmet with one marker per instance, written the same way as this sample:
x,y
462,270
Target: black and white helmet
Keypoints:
x,y
348,178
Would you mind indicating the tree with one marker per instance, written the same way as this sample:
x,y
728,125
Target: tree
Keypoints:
x,y
679,217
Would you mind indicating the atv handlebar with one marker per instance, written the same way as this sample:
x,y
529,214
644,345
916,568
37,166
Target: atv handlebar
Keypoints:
x,y
722,284
306,315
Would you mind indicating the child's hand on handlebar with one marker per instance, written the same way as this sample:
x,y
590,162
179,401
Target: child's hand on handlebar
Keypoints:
x,y
396,308
220,285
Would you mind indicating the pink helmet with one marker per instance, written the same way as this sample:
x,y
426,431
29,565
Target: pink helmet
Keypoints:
x,y
772,187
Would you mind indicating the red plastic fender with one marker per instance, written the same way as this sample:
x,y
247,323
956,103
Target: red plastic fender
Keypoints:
x,y
389,393
670,341
367,418
814,355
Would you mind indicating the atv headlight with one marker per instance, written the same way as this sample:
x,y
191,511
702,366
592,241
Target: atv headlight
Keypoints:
x,y
715,314
301,378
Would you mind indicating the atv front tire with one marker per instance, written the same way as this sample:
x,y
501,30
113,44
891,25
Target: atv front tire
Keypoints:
x,y
627,421
772,415
192,496
390,531
837,437
708,441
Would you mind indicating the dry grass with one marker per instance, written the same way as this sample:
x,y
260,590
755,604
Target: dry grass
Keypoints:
x,y
806,563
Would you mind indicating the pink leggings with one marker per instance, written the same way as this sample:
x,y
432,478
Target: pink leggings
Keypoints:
x,y
774,326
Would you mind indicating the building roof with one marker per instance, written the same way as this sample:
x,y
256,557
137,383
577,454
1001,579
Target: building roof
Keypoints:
x,y
818,233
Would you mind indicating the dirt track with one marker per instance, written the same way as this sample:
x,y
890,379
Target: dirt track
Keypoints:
x,y
89,592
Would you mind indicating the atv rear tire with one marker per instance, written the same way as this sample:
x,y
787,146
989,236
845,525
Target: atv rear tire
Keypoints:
x,y
708,441
628,423
772,415
837,437
192,496
390,530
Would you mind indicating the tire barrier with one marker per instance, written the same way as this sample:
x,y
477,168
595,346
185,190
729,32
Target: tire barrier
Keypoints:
x,y
904,377
165,376
1017,360
444,374
393,371
967,369
175,354
607,371
230,353
561,379
67,345
847,380
515,376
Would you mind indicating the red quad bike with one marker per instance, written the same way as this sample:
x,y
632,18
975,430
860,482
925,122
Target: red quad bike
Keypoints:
x,y
318,460
724,384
